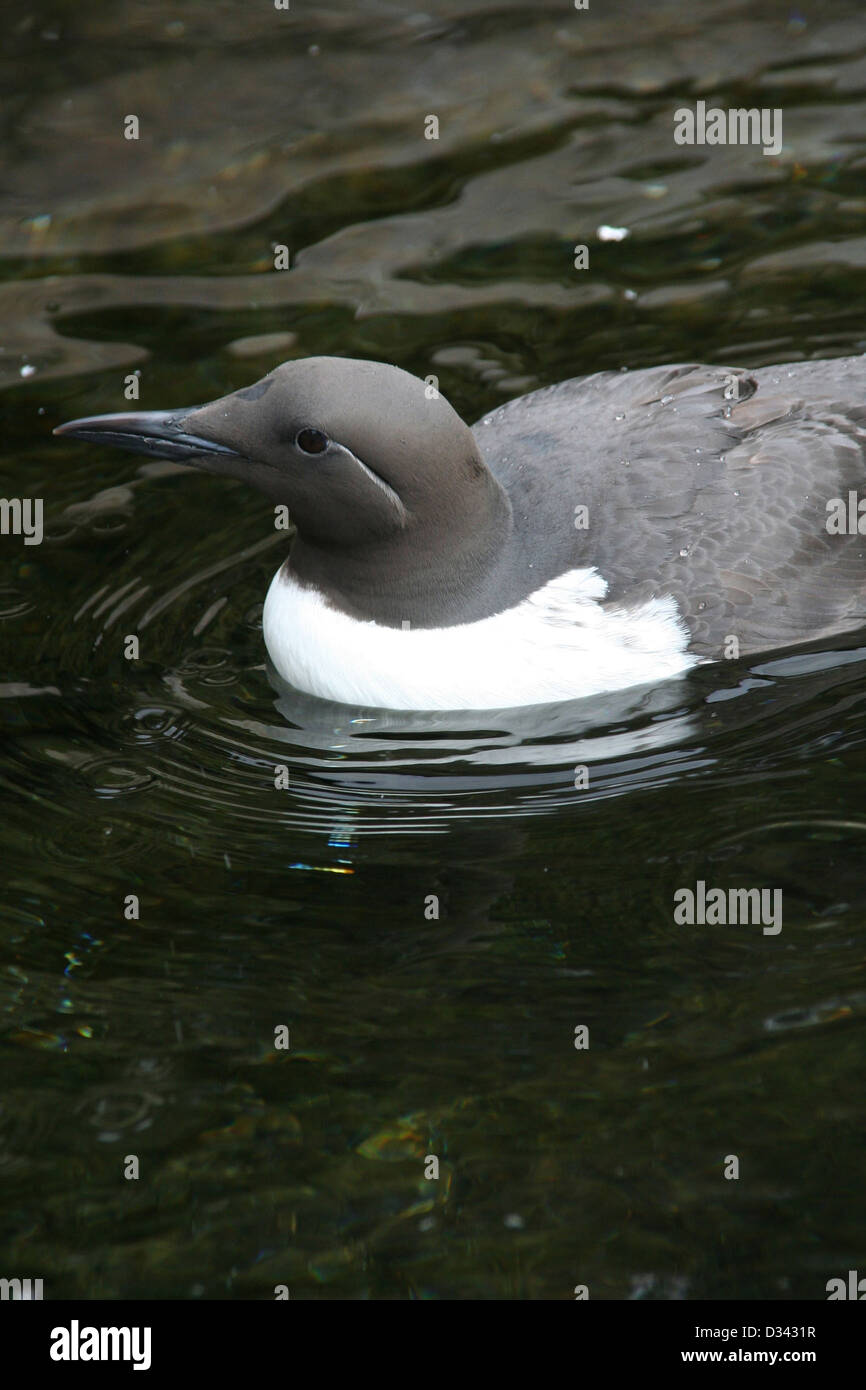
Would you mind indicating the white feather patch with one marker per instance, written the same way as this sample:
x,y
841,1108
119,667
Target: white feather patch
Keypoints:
x,y
560,643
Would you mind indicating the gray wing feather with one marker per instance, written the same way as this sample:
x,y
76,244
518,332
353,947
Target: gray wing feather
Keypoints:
x,y
720,503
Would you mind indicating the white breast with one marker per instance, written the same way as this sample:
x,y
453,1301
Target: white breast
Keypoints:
x,y
558,644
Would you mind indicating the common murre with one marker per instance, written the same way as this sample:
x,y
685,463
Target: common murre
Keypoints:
x,y
609,531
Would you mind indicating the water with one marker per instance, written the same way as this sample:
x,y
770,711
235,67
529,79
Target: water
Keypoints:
x,y
312,907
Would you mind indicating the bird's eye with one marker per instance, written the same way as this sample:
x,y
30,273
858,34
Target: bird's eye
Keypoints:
x,y
311,441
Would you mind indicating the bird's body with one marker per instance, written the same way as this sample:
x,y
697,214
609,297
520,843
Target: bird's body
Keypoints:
x,y
605,532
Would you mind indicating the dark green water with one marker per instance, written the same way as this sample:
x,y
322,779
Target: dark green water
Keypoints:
x,y
305,907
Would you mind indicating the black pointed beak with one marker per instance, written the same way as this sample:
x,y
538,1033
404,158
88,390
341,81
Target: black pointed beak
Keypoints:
x,y
159,433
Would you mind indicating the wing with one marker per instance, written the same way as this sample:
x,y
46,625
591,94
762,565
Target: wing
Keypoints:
x,y
709,484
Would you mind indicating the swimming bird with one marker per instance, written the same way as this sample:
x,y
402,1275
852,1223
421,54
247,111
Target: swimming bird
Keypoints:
x,y
609,531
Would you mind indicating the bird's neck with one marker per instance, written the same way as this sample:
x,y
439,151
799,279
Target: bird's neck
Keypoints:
x,y
425,576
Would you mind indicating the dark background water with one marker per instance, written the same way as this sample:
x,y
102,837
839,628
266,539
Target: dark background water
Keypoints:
x,y
306,907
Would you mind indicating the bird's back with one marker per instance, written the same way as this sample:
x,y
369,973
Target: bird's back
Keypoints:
x,y
708,483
